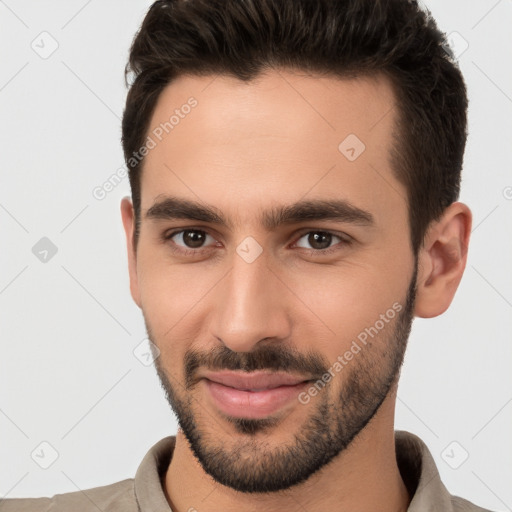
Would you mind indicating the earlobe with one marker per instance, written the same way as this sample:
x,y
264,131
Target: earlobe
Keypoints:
x,y
442,260
128,218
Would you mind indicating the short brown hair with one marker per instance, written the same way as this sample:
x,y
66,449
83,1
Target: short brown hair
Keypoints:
x,y
243,38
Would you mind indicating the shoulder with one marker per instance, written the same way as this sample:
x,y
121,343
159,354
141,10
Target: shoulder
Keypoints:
x,y
462,505
116,497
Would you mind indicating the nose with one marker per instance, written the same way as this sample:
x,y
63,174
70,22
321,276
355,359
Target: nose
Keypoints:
x,y
251,305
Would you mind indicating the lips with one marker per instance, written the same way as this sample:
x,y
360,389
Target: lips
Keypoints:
x,y
252,395
255,381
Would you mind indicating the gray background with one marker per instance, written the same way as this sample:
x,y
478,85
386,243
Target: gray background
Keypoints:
x,y
68,374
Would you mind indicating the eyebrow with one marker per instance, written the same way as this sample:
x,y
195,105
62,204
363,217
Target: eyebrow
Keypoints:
x,y
173,208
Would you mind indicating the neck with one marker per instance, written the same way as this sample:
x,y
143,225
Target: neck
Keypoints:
x,y
364,477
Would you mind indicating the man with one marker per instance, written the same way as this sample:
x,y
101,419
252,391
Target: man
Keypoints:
x,y
294,168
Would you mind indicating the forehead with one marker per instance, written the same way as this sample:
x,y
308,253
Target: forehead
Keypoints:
x,y
278,103
280,137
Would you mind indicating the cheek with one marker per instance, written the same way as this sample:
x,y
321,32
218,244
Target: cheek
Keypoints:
x,y
342,304
173,299
166,288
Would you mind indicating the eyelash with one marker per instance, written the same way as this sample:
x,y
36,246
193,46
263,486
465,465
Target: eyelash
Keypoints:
x,y
345,240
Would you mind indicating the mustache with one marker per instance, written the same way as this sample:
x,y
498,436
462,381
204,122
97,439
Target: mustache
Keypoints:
x,y
269,357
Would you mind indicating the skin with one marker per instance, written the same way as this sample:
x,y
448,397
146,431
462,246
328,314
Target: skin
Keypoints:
x,y
247,147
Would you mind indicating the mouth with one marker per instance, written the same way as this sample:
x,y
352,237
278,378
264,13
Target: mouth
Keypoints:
x,y
252,395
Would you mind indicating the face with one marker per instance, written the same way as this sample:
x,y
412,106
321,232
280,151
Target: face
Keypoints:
x,y
274,268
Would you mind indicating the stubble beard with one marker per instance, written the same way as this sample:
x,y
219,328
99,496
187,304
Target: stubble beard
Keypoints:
x,y
246,461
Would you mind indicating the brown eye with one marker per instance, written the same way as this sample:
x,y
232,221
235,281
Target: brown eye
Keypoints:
x,y
318,240
188,239
193,239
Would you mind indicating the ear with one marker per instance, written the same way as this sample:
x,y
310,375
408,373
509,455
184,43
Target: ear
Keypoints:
x,y
442,260
128,216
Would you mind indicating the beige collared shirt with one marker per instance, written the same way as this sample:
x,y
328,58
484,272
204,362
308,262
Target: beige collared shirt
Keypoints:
x,y
144,493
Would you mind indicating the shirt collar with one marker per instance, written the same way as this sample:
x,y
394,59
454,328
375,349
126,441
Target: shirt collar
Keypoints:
x,y
149,479
415,462
420,474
